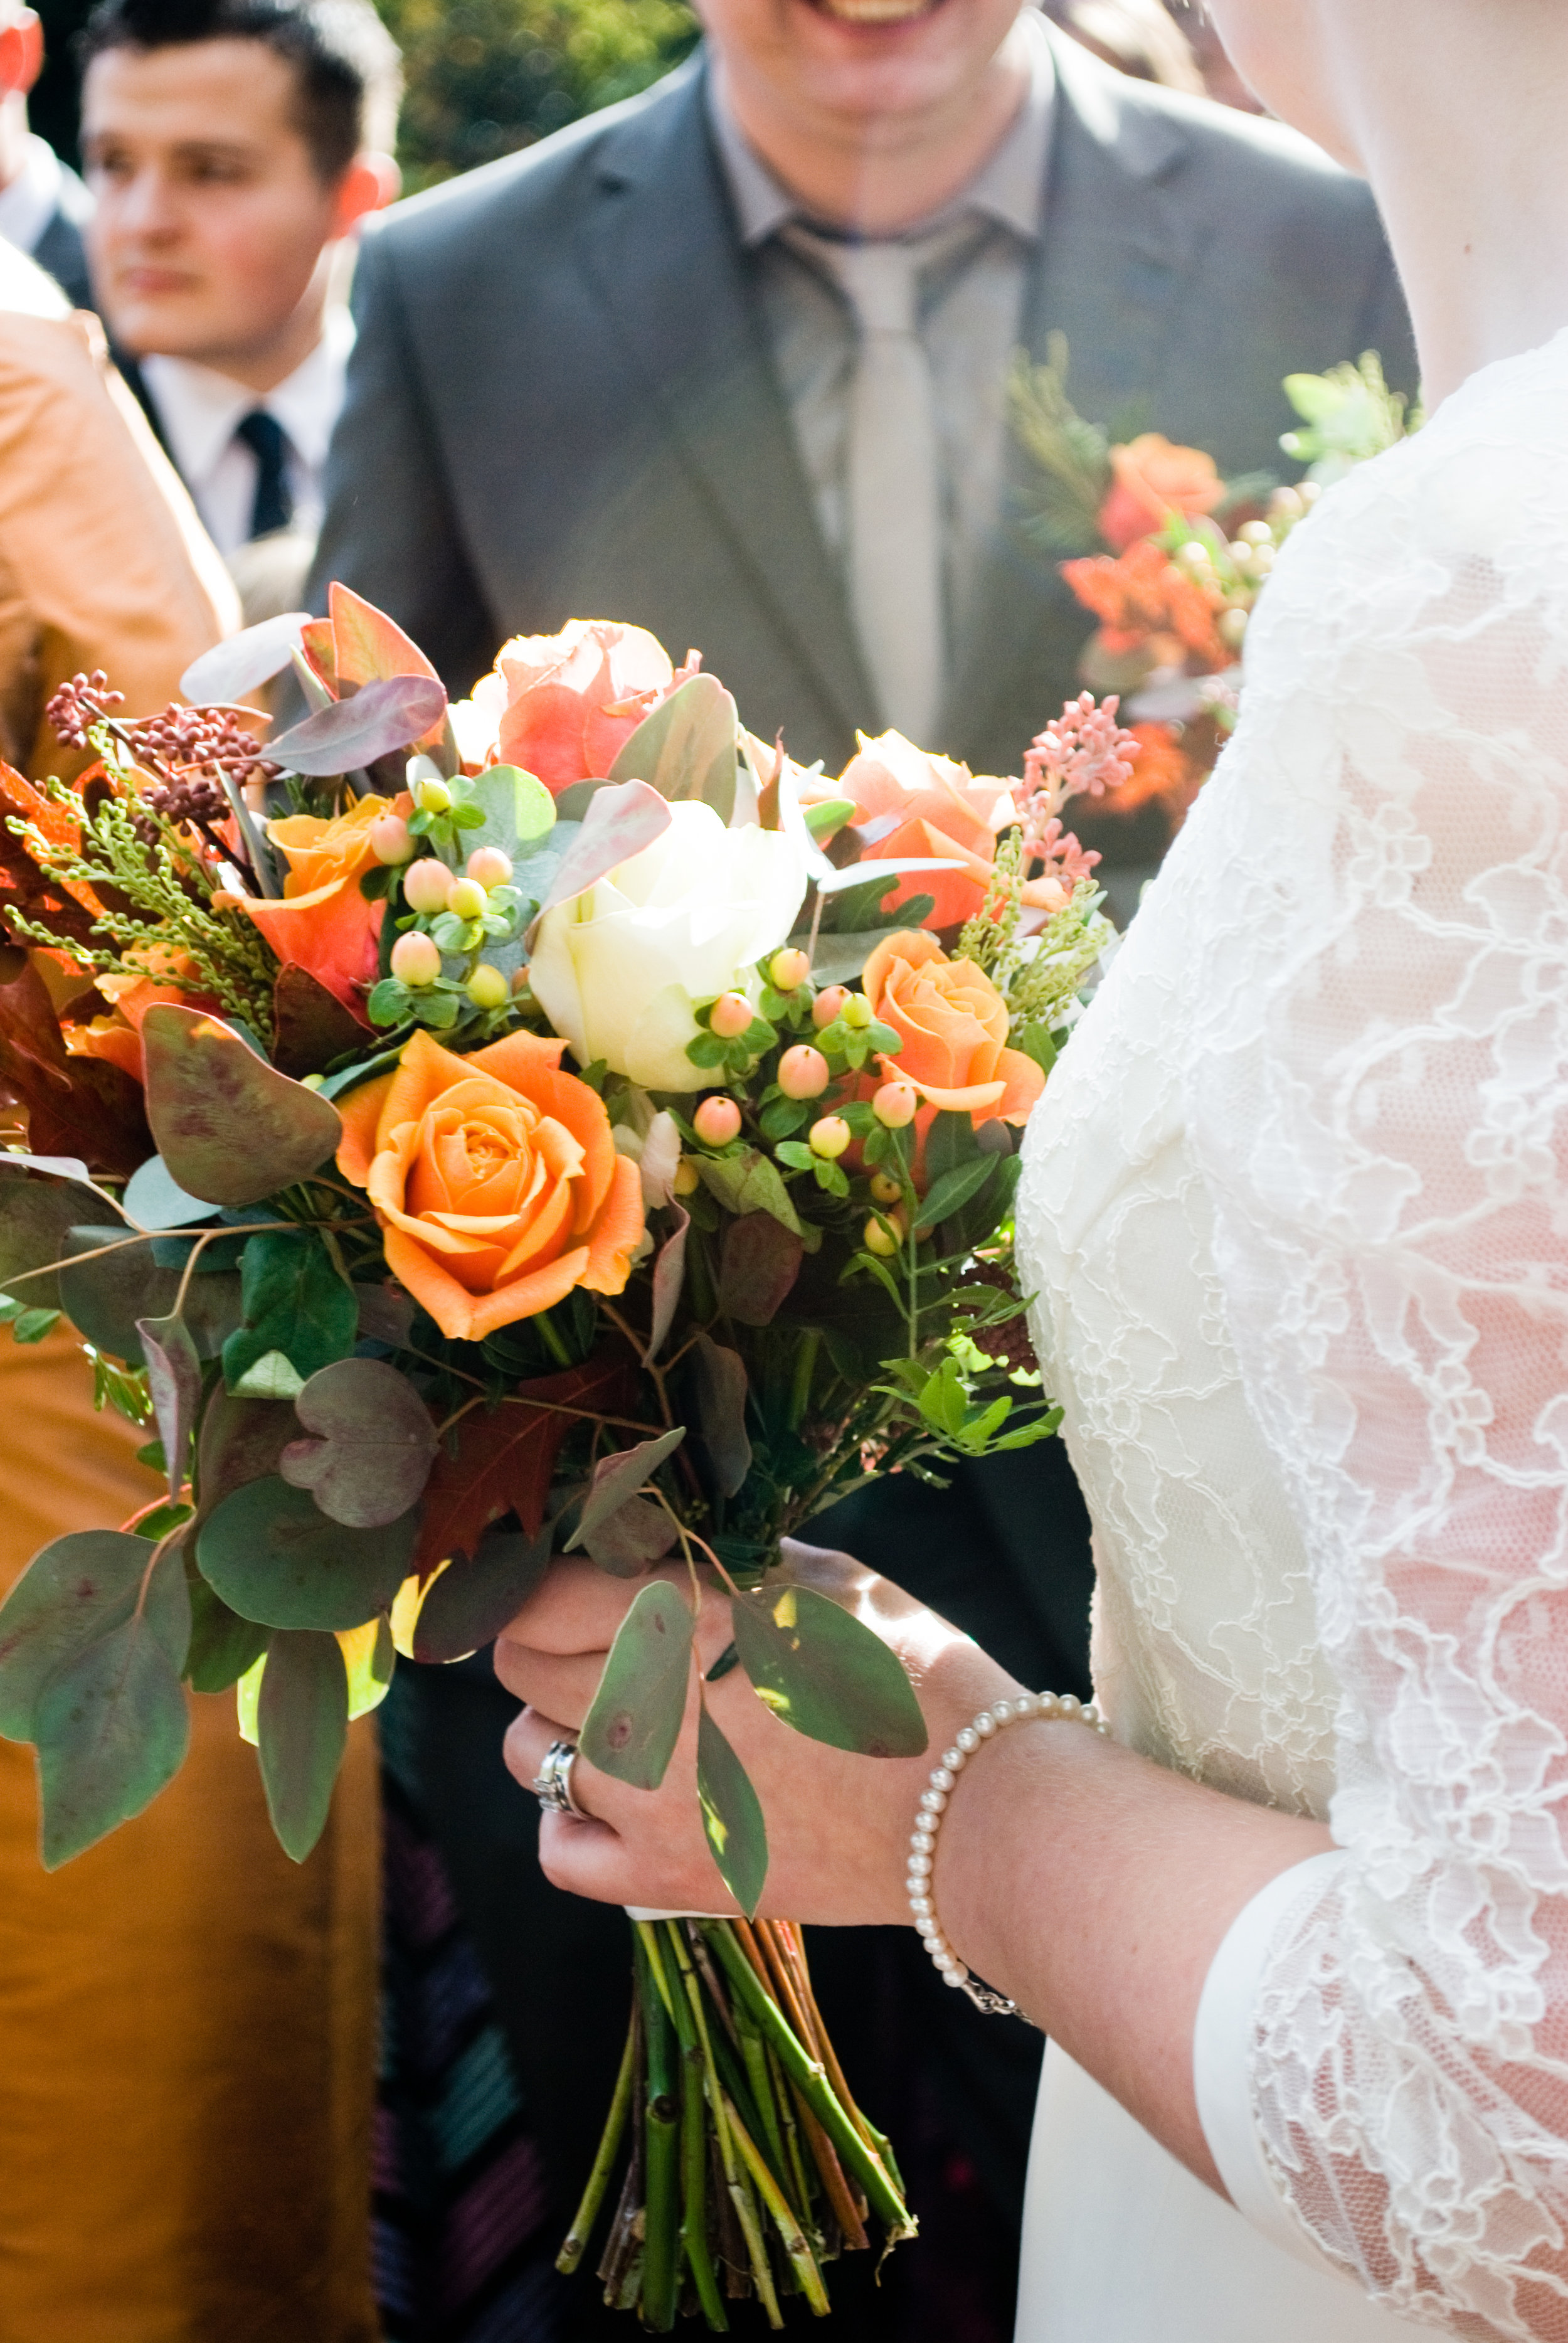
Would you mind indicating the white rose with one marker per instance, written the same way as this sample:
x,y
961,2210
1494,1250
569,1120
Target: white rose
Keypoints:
x,y
617,970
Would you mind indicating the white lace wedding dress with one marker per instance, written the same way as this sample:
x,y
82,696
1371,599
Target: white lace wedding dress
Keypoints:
x,y
1296,1209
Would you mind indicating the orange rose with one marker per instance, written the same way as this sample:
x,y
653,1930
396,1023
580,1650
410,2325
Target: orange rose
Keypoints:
x,y
935,811
1151,482
953,1024
1146,603
324,922
564,706
494,1180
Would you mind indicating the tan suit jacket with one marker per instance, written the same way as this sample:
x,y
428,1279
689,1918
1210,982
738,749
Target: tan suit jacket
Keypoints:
x,y
102,561
186,2018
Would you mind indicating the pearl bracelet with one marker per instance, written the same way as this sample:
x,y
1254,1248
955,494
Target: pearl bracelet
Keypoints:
x,y
1043,1706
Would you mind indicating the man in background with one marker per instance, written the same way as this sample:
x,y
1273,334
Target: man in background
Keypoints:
x,y
233,146
43,206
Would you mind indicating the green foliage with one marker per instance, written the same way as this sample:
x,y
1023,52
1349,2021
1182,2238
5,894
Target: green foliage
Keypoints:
x,y
731,1816
632,1727
488,76
205,1085
1071,456
295,1303
275,1558
1349,415
302,1727
819,1671
472,1600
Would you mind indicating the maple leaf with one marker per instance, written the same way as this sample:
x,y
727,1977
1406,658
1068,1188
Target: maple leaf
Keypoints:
x,y
506,1454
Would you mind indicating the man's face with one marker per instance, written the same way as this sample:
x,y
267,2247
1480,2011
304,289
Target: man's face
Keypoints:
x,y
211,215
861,62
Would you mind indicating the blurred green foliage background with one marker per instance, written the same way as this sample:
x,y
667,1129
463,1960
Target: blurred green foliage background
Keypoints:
x,y
484,76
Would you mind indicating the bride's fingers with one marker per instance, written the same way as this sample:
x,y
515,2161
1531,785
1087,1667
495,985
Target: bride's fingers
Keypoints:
x,y
560,1687
608,1854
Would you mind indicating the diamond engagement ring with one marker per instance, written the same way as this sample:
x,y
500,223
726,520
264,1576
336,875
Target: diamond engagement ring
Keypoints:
x,y
553,1782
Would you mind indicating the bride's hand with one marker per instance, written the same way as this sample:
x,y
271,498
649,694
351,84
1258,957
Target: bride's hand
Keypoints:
x,y
837,1824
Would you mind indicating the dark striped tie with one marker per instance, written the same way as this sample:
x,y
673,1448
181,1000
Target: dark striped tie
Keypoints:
x,y
273,506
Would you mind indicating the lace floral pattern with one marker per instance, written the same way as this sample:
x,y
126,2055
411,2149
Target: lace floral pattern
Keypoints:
x,y
1296,1206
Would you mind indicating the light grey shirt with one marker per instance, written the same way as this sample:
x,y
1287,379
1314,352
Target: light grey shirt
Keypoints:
x,y
971,305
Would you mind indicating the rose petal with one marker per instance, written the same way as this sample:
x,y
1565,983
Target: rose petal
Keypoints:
x,y
615,1234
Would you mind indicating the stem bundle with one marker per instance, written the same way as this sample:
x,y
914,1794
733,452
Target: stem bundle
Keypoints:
x,y
748,2165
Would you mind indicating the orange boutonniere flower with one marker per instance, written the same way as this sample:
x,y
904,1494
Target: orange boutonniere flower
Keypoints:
x,y
1152,482
495,1180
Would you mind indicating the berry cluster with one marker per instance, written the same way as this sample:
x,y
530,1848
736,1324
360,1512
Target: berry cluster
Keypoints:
x,y
81,703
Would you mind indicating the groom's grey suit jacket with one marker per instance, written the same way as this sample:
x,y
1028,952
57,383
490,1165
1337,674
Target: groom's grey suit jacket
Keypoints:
x,y
562,402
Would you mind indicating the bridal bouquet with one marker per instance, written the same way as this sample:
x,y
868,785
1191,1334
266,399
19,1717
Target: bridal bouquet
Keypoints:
x,y
552,1121
1171,557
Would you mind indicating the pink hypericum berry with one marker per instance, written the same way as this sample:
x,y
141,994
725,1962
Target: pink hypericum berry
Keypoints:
x,y
828,1004
830,1137
716,1121
730,1016
488,867
789,968
894,1105
415,959
391,840
427,885
802,1072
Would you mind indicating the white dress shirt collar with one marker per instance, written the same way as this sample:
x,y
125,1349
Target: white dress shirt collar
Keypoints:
x,y
199,410
1008,187
33,197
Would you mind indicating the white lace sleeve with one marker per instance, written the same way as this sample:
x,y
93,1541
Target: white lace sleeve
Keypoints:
x,y
1377,1096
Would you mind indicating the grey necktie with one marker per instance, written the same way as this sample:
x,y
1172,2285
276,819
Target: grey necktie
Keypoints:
x,y
894,501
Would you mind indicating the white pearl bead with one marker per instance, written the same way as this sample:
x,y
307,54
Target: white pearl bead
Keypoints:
x,y
933,1800
944,1960
1069,1705
920,1904
954,1975
1027,1706
968,1740
954,1759
943,1778
1002,1711
919,1866
923,1843
928,1924
985,1724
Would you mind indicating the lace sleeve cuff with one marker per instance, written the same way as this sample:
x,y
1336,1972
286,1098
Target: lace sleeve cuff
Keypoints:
x,y
1222,2042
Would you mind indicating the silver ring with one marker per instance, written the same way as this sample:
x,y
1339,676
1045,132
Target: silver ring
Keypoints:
x,y
553,1782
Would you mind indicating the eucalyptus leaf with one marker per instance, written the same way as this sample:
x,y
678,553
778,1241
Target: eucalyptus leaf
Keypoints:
x,y
617,1478
758,1263
518,812
111,1726
229,1127
637,1534
472,1600
749,1181
73,1592
668,1279
686,747
731,1816
275,1557
718,1383
374,1447
174,1379
35,1216
380,718
240,1440
245,662
223,1646
302,1730
619,823
104,1297
820,1671
634,1722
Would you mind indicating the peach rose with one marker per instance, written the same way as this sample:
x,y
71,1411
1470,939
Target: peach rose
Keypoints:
x,y
564,706
928,807
494,1180
324,922
1152,481
953,1024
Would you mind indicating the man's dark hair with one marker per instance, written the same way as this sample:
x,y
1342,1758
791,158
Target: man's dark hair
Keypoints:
x,y
345,61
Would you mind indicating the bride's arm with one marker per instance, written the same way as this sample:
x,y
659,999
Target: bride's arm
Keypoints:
x,y
1086,1882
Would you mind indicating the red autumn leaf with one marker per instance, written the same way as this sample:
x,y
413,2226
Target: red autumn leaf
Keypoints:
x,y
370,648
76,1105
318,644
506,1454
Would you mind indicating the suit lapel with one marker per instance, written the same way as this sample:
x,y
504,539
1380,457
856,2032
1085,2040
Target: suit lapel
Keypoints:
x,y
662,250
1105,275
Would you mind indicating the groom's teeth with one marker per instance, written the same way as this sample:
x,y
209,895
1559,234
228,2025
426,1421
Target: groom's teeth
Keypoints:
x,y
875,12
